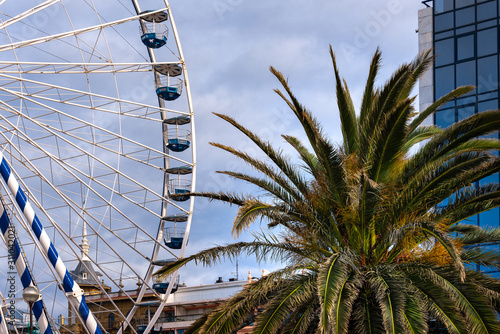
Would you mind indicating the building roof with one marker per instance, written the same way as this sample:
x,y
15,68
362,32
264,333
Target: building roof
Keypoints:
x,y
84,273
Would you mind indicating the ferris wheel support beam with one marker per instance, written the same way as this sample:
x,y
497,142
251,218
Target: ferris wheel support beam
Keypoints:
x,y
9,237
3,321
28,13
71,288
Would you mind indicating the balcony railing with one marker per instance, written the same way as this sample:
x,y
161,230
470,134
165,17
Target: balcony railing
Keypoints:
x,y
178,318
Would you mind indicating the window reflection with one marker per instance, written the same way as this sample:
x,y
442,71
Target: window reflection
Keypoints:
x,y
465,16
463,3
445,52
466,73
445,80
487,11
442,5
443,21
487,105
487,74
464,112
445,118
465,47
486,42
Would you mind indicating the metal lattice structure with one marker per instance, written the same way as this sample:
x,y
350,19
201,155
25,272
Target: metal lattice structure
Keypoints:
x,y
97,129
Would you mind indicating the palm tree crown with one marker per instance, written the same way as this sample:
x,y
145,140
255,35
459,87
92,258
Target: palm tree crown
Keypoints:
x,y
369,233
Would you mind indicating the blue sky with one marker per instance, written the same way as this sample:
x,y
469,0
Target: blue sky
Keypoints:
x,y
229,46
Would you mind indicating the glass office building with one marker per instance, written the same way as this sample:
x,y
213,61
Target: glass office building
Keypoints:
x,y
465,37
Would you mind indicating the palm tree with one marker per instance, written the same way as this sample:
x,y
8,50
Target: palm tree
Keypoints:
x,y
370,234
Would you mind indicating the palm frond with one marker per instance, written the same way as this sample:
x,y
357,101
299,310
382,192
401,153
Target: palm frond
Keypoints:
x,y
269,186
419,135
436,297
261,250
278,309
282,162
331,279
235,199
415,315
328,156
307,157
264,168
303,318
445,143
346,110
369,93
457,92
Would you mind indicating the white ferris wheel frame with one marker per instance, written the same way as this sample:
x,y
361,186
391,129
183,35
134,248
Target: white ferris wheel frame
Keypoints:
x,y
7,69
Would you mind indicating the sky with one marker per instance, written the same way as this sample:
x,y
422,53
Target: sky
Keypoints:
x,y
229,46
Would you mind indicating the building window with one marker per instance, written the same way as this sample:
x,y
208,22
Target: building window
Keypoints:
x,y
465,47
465,16
486,11
487,74
445,52
111,320
84,275
170,316
487,42
488,105
443,21
445,118
442,5
466,74
464,112
444,80
463,3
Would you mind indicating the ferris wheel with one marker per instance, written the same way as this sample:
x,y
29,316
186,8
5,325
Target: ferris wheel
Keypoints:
x,y
97,152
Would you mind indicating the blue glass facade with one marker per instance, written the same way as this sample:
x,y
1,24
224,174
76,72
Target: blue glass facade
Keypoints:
x,y
466,45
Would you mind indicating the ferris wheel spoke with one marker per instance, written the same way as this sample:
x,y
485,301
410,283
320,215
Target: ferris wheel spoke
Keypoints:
x,y
135,188
68,96
69,201
92,157
9,67
129,149
101,266
28,13
72,33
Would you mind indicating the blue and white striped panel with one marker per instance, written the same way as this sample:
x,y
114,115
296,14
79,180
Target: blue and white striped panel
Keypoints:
x,y
72,289
10,240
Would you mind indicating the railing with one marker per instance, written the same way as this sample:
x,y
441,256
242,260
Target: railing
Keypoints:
x,y
178,318
112,325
